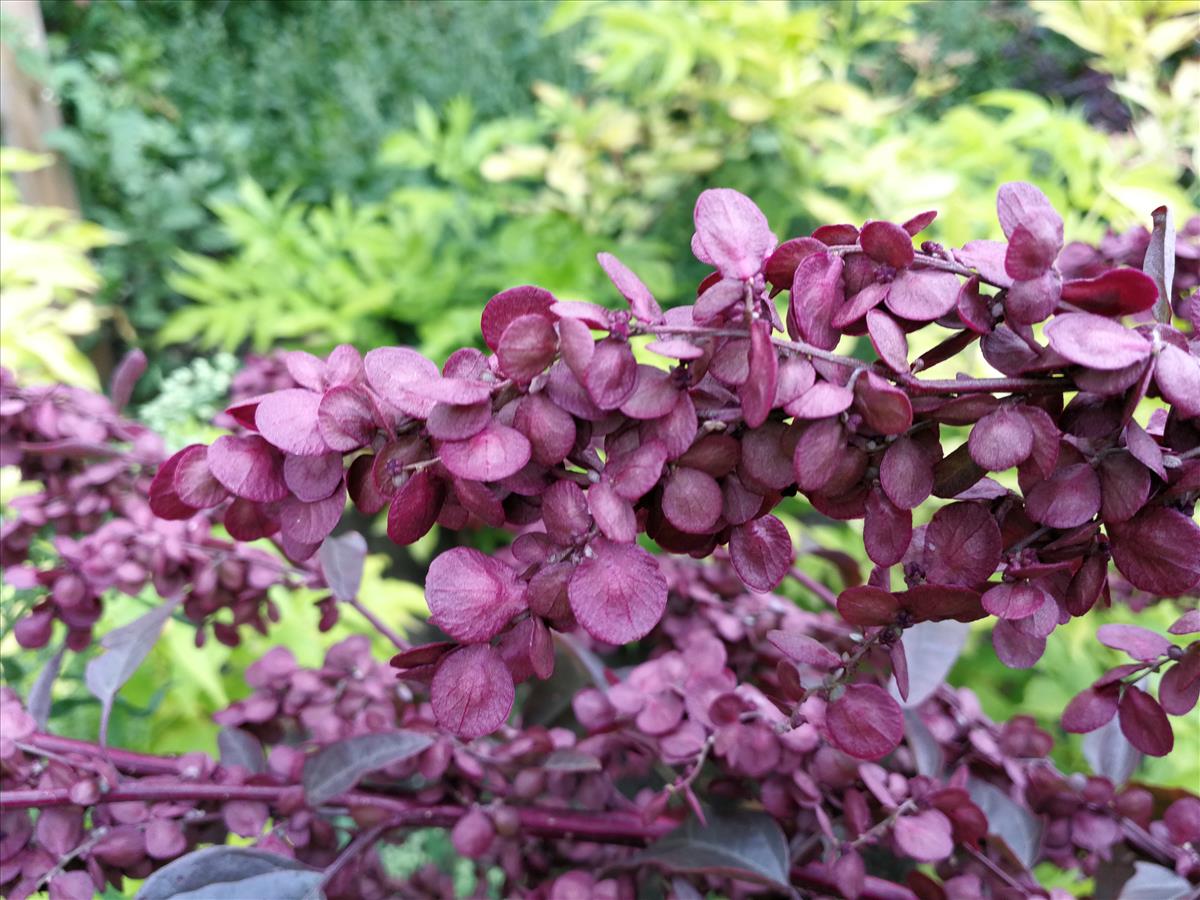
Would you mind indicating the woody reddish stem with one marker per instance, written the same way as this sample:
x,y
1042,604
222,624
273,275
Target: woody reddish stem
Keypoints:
x,y
606,827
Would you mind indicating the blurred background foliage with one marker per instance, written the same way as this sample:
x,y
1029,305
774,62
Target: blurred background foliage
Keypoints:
x,y
300,173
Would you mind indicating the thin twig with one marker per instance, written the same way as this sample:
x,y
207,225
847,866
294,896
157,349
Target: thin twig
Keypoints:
x,y
397,641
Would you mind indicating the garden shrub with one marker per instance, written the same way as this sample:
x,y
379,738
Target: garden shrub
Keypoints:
x,y
593,719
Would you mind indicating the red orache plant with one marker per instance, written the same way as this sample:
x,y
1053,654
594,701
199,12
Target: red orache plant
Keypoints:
x,y
857,762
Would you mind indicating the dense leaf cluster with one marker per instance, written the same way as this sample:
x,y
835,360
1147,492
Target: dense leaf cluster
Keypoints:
x,y
860,764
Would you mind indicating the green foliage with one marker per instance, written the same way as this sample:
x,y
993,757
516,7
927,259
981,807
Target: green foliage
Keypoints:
x,y
188,398
172,104
46,282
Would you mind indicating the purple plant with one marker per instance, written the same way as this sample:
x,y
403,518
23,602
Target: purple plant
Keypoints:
x,y
858,761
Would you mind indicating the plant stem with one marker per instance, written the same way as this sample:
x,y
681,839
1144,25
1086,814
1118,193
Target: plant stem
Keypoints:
x,y
398,642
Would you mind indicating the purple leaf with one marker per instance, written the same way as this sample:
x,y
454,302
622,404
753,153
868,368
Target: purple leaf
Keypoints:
x,y
887,243
1124,484
415,507
472,596
528,344
1014,647
1179,689
758,392
817,290
676,348
924,837
472,691
618,594
1188,623
1030,254
691,500
1033,300
1144,723
641,301
338,767
733,232
1001,440
962,545
887,529
1020,203
1116,293
509,305
906,473
494,453
458,423
306,370
1158,550
1159,263
865,722
986,258
249,521
1090,709
885,408
549,429
288,419
1140,643
1177,374
1014,600
125,378
633,474
931,649
613,513
865,606
822,400
1096,342
125,650
565,512
346,419
342,559
761,551
923,294
311,523
803,649
1069,497
861,304
888,340
743,845
781,266
232,872
312,478
193,481
654,395
248,467
392,370
612,374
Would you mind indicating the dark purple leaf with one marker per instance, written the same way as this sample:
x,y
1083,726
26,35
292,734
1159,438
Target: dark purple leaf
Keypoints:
x,y
888,340
758,392
817,290
472,596
654,395
723,295
1014,600
691,500
1188,623
1177,374
164,501
1096,342
888,243
506,306
865,722
342,559
1001,439
1090,709
635,473
746,846
761,551
230,872
472,691
338,767
962,545
887,529
1124,484
1015,648
613,513
1179,689
1116,293
885,408
865,606
1144,723
311,523
676,348
125,378
1033,300
906,473
781,266
618,594
1158,550
1069,497
822,400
